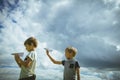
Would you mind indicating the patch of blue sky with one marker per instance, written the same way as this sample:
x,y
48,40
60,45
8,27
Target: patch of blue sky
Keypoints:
x,y
14,21
1,26
10,5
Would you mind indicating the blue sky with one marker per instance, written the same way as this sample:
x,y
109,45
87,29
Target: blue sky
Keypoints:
x,y
92,26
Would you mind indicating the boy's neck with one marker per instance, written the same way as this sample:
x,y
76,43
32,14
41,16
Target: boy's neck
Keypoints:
x,y
31,50
70,58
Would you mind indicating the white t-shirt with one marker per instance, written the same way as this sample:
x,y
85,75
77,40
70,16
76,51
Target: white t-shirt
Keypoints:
x,y
29,71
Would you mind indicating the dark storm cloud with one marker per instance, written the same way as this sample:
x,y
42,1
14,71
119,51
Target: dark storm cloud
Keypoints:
x,y
9,4
92,26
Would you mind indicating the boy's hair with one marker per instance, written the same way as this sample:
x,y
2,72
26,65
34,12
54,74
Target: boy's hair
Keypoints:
x,y
71,49
30,41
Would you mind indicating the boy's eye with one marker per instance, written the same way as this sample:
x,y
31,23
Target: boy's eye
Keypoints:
x,y
70,51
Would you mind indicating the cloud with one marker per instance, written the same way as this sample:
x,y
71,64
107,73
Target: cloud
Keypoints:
x,y
115,76
98,74
92,26
101,45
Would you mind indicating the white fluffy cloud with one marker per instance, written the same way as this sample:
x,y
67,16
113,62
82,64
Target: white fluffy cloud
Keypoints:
x,y
91,26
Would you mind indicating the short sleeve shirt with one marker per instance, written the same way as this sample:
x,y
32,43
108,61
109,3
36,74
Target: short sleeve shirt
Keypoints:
x,y
29,71
70,69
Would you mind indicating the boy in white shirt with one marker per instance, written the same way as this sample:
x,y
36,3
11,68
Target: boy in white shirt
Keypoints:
x,y
29,64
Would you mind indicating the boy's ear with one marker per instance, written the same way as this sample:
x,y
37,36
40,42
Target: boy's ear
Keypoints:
x,y
73,54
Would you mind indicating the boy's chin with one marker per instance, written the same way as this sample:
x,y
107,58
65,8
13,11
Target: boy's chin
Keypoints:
x,y
68,58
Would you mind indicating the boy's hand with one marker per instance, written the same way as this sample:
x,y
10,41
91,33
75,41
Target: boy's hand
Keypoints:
x,y
17,59
16,56
47,51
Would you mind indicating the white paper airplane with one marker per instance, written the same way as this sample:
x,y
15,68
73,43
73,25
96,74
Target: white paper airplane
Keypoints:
x,y
20,53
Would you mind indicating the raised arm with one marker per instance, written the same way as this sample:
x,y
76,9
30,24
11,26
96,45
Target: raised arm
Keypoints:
x,y
52,59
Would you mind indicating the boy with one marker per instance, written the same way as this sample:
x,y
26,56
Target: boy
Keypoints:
x,y
28,65
71,66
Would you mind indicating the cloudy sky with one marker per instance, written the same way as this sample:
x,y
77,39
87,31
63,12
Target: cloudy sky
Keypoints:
x,y
92,26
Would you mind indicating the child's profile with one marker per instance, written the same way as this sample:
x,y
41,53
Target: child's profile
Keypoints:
x,y
27,65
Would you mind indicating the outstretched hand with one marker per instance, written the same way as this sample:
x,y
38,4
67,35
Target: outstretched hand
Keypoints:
x,y
47,51
52,59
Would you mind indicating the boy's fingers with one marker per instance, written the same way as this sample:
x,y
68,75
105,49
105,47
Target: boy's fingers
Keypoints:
x,y
46,50
16,55
13,54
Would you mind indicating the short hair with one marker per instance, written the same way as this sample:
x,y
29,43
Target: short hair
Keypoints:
x,y
72,49
30,41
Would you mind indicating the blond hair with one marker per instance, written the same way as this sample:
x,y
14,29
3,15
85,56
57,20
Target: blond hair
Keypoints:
x,y
72,49
31,40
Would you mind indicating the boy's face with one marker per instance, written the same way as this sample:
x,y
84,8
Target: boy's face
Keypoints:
x,y
69,54
29,47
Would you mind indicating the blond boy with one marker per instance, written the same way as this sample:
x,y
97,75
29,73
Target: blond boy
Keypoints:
x,y
71,66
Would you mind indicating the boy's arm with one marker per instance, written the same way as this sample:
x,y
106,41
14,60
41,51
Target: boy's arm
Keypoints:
x,y
78,73
21,62
53,60
17,61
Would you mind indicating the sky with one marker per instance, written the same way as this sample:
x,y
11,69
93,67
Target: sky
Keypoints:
x,y
92,26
